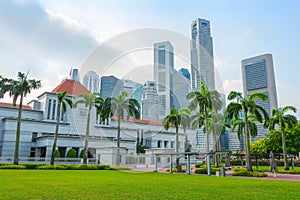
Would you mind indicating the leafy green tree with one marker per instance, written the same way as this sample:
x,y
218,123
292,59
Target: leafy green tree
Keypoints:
x,y
119,107
18,88
89,101
177,118
63,101
259,147
292,138
206,101
251,112
283,120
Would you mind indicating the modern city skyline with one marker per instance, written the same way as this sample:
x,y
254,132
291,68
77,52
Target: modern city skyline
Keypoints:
x,y
163,66
110,86
202,56
258,76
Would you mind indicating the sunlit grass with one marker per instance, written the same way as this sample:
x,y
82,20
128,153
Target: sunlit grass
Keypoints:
x,y
111,184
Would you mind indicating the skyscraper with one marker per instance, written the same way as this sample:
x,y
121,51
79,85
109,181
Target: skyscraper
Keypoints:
x,y
181,87
163,63
91,81
150,101
258,76
110,86
202,58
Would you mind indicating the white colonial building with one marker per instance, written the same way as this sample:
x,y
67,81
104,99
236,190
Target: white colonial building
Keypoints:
x,y
38,127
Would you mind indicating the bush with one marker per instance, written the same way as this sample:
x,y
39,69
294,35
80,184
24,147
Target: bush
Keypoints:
x,y
51,167
57,154
82,153
203,170
288,171
71,153
247,173
199,165
32,165
12,167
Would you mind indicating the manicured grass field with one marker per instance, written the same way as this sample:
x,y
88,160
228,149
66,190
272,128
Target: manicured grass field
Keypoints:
x,y
97,184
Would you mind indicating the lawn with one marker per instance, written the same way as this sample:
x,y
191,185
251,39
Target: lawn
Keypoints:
x,y
109,184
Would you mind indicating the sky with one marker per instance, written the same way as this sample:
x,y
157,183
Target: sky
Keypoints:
x,y
48,38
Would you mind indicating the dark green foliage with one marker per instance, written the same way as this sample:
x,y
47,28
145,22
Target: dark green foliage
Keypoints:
x,y
51,167
82,153
57,154
288,171
32,165
71,153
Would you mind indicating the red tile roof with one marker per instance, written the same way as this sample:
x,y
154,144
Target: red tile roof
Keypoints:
x,y
138,120
10,105
72,87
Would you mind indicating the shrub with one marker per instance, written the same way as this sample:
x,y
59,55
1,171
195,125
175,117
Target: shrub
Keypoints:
x,y
288,171
203,170
82,153
32,165
248,173
57,154
103,167
12,167
51,167
71,153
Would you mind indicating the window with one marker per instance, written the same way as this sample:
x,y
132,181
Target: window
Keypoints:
x,y
148,143
158,144
32,152
172,144
49,109
53,109
165,144
34,136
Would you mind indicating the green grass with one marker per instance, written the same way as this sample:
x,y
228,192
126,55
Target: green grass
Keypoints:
x,y
111,184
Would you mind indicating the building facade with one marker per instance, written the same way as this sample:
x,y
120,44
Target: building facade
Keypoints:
x,y
202,58
258,76
91,81
110,86
38,127
150,104
163,64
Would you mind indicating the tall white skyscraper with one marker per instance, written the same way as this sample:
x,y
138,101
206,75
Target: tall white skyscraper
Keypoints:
x,y
150,101
163,64
258,76
202,58
91,81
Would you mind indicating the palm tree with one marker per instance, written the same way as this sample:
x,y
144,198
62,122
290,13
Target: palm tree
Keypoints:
x,y
119,107
246,106
206,100
89,101
63,101
283,120
18,88
177,118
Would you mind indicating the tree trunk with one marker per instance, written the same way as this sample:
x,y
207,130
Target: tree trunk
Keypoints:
x,y
215,148
118,141
206,130
286,163
56,133
18,132
247,145
177,147
86,140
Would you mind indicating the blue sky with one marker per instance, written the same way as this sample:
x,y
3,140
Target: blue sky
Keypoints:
x,y
50,37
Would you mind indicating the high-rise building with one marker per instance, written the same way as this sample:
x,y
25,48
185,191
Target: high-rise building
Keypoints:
x,y
258,76
181,87
185,72
163,63
150,102
75,75
91,81
202,58
110,86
